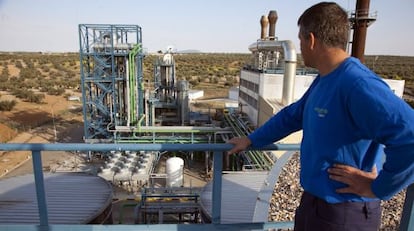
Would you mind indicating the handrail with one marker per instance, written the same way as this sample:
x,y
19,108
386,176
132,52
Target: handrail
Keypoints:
x,y
132,147
407,220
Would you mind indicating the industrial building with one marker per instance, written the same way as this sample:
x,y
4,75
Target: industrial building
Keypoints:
x,y
119,107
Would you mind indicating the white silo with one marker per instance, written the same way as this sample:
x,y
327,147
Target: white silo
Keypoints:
x,y
175,172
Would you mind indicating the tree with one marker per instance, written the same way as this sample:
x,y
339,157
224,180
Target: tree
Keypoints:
x,y
7,105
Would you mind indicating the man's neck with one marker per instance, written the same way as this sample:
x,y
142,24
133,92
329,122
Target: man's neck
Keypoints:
x,y
330,60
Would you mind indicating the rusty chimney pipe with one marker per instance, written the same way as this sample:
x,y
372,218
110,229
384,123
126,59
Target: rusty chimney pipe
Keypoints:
x,y
360,25
272,24
263,23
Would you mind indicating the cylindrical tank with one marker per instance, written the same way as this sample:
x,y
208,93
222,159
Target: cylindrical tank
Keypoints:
x,y
175,172
73,198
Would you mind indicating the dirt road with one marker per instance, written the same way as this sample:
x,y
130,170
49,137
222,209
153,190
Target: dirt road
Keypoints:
x,y
15,163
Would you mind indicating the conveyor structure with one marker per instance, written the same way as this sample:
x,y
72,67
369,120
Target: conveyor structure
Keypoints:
x,y
251,160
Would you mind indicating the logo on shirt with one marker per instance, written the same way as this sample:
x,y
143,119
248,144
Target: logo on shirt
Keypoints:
x,y
322,112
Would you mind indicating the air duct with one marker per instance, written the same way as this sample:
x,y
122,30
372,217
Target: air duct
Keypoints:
x,y
290,63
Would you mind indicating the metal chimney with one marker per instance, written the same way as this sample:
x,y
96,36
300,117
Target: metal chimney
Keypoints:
x,y
272,24
360,20
263,23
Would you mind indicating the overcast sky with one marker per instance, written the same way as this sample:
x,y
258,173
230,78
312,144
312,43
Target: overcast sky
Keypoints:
x,y
208,26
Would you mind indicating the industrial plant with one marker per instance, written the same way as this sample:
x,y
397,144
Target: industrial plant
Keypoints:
x,y
119,107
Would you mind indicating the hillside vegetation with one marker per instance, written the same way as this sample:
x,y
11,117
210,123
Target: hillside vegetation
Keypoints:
x,y
30,76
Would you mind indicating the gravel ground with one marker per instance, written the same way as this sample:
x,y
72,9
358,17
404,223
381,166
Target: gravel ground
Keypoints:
x,y
287,193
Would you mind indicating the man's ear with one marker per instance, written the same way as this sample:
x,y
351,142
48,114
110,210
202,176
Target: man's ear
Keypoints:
x,y
311,41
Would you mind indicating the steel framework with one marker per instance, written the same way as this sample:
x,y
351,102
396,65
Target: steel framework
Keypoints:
x,y
111,59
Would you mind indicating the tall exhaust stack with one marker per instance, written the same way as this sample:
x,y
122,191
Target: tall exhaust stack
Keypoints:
x,y
272,24
360,21
264,22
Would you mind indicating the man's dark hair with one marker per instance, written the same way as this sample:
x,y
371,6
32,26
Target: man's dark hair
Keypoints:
x,y
328,22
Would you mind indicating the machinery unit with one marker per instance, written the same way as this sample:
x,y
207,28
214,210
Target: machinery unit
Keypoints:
x,y
267,58
115,104
169,103
111,59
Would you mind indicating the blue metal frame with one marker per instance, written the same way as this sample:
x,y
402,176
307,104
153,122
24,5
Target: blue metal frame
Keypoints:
x,y
407,219
40,188
103,78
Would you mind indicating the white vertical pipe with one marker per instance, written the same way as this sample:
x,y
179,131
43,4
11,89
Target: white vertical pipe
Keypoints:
x,y
128,100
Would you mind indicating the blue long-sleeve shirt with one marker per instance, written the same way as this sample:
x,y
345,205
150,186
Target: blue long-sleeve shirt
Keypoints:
x,y
349,116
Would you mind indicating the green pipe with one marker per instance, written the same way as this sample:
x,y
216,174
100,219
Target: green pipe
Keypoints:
x,y
140,89
132,82
257,157
140,121
131,85
143,129
139,124
131,76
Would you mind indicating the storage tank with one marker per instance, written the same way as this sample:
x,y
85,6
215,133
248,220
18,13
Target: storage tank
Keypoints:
x,y
72,199
175,172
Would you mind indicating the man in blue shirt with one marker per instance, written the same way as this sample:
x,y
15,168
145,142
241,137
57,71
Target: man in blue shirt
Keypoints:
x,y
349,118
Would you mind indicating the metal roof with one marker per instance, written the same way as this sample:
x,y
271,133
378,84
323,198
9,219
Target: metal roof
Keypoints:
x,y
72,198
239,196
275,103
245,195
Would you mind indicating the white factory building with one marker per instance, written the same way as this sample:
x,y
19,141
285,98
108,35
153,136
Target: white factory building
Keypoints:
x,y
261,94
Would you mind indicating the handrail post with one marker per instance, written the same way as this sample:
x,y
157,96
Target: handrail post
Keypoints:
x,y
40,187
407,217
217,179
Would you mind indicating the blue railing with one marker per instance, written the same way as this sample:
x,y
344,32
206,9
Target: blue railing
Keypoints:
x,y
407,219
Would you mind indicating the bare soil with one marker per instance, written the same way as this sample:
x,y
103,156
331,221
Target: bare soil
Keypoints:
x,y
55,120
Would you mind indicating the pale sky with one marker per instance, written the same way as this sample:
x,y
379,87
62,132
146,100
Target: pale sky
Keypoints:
x,y
209,25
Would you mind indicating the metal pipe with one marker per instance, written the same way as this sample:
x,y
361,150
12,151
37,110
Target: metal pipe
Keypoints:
x,y
287,45
257,159
162,141
133,83
360,22
264,22
172,129
290,63
272,24
128,96
360,30
140,121
288,83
